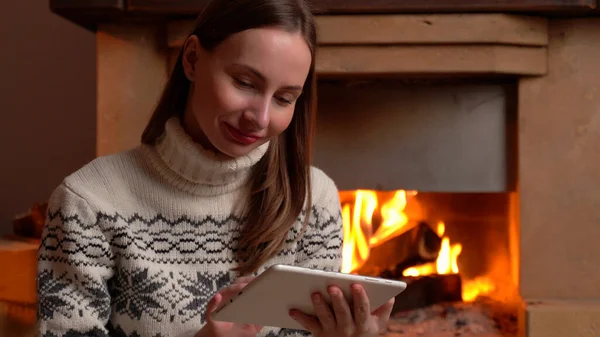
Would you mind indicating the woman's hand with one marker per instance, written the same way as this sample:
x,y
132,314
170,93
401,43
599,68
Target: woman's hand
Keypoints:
x,y
225,329
341,320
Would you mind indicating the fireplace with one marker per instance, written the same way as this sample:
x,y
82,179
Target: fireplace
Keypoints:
x,y
427,183
477,123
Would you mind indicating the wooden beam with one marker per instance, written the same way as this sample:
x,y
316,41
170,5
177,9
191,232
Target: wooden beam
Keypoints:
x,y
168,6
433,60
413,29
388,6
441,44
429,6
87,4
90,13
433,29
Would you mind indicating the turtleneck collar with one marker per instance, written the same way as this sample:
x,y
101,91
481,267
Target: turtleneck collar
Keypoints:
x,y
200,171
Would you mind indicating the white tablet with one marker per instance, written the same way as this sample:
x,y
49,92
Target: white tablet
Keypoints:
x,y
268,299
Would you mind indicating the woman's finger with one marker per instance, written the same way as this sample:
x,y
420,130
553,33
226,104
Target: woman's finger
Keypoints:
x,y
362,307
212,305
230,291
307,322
324,313
244,279
232,288
341,309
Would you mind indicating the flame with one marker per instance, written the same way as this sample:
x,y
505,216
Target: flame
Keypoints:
x,y
358,238
358,227
447,260
355,249
479,286
394,219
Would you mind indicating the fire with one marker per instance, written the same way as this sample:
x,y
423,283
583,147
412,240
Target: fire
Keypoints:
x,y
446,262
394,219
355,249
358,225
359,237
476,287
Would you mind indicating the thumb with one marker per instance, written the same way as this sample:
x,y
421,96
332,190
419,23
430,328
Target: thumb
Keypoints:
x,y
213,305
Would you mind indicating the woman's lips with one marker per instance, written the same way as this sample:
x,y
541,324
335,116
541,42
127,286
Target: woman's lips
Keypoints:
x,y
240,136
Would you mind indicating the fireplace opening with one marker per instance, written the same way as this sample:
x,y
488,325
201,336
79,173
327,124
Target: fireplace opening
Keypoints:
x,y
406,234
455,250
427,182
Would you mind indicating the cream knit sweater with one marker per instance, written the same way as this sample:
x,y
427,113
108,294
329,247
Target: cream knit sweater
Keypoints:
x,y
137,243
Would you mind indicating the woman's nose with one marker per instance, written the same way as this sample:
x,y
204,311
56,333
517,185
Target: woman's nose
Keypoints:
x,y
258,115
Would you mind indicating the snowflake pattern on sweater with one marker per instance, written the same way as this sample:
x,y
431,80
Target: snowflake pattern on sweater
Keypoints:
x,y
137,243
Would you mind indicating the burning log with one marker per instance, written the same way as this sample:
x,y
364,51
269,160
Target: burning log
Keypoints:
x,y
423,291
418,245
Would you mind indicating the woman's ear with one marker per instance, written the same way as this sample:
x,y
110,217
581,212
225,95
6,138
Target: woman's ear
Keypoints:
x,y
191,48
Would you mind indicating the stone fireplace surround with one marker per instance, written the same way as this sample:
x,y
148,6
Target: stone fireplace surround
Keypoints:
x,y
540,57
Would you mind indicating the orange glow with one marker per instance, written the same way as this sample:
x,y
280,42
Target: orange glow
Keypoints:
x,y
358,210
476,287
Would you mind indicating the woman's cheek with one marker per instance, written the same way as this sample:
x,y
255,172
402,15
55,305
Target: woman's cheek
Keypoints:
x,y
280,121
230,98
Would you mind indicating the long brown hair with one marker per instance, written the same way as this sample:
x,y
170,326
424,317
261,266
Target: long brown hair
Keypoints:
x,y
280,183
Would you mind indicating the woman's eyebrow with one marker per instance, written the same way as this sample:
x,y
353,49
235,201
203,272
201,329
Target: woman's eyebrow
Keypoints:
x,y
263,77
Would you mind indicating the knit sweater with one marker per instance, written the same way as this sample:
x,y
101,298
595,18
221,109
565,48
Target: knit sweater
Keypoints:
x,y
137,243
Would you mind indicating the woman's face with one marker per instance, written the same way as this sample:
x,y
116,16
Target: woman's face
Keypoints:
x,y
244,91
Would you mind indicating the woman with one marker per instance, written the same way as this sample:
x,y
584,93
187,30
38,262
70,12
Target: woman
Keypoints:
x,y
148,242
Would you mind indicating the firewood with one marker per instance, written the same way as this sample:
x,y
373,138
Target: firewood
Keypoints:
x,y
31,223
423,291
419,244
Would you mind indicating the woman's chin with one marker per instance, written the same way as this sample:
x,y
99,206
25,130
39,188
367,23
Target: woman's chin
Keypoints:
x,y
233,150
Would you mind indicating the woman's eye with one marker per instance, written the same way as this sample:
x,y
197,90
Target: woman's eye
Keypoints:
x,y
283,101
243,83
